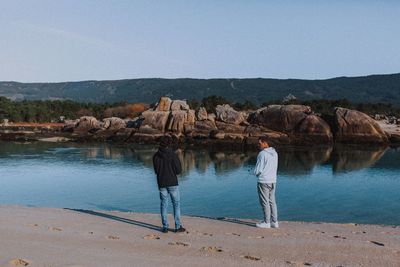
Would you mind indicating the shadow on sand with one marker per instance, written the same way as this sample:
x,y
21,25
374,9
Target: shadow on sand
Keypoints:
x,y
155,227
223,219
120,219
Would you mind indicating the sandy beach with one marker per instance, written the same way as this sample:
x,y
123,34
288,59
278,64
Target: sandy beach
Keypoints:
x,y
63,237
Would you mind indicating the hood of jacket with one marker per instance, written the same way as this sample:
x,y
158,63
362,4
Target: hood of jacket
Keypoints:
x,y
165,152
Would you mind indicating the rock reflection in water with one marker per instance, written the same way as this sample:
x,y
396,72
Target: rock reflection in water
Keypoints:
x,y
192,159
301,160
292,160
355,158
228,162
390,160
107,151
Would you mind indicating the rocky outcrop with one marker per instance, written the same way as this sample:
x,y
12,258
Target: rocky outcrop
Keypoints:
x,y
230,128
227,114
169,116
211,117
351,126
202,129
179,105
181,121
177,120
282,124
113,124
294,120
282,118
201,114
314,129
164,104
253,132
156,120
87,124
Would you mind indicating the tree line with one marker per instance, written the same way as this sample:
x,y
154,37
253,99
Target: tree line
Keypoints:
x,y
55,110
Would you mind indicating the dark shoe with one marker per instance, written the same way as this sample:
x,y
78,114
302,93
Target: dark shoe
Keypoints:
x,y
180,230
164,230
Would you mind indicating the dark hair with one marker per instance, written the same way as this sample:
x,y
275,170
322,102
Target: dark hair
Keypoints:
x,y
263,139
165,141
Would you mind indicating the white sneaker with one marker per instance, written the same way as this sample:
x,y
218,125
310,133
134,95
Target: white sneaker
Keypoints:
x,y
275,225
263,225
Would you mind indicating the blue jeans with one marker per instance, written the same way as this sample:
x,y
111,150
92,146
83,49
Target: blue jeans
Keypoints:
x,y
266,195
173,191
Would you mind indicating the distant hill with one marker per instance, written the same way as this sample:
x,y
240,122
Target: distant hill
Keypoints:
x,y
373,88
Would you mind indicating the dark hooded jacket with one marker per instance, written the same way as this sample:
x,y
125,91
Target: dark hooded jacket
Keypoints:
x,y
166,166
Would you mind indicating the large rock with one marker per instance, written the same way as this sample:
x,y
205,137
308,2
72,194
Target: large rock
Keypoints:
x,y
226,113
294,120
230,128
282,118
314,129
179,105
155,119
181,121
176,121
191,116
146,129
351,126
164,104
113,123
211,117
202,129
253,132
202,114
86,124
257,130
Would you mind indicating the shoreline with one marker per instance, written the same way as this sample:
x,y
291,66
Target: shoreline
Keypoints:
x,y
68,237
215,133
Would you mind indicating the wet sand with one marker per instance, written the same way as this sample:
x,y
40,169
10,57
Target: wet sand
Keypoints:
x,y
61,237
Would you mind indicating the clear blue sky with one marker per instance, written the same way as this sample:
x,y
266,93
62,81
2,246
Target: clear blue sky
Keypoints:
x,y
57,40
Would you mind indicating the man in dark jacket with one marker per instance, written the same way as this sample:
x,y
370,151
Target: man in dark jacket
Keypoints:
x,y
166,166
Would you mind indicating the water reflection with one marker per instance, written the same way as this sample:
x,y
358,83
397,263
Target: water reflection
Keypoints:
x,y
345,158
229,162
299,161
292,160
389,160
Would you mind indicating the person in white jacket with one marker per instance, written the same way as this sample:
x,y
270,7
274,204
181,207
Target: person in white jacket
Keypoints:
x,y
266,172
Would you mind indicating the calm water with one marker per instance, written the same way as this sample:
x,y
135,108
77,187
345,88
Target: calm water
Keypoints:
x,y
343,184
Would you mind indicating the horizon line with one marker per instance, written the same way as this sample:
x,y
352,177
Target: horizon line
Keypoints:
x,y
191,78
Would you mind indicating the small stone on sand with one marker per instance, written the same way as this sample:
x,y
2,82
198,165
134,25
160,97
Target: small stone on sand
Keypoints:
x,y
212,249
253,258
19,262
179,244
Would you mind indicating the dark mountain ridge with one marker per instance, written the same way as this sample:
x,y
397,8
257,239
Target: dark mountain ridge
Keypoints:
x,y
364,89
